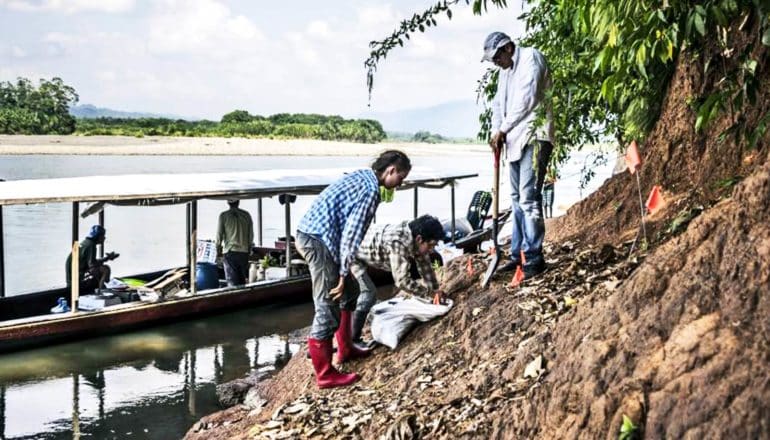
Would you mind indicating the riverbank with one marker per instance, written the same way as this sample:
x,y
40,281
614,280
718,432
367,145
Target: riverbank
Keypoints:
x,y
214,146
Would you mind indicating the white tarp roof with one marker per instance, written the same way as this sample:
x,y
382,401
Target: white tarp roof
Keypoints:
x,y
177,188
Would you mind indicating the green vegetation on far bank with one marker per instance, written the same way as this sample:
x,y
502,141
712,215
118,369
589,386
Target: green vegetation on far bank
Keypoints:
x,y
240,123
44,109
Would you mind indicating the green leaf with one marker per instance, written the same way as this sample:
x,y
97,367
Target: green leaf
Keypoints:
x,y
766,37
700,25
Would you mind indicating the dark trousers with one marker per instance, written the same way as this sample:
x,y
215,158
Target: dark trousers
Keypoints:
x,y
236,268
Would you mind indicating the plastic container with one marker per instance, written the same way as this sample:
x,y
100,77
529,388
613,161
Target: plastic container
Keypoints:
x,y
206,276
207,251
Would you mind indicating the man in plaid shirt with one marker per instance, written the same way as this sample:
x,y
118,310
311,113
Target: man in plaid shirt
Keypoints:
x,y
392,248
328,237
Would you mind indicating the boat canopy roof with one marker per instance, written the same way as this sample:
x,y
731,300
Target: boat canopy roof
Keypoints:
x,y
161,189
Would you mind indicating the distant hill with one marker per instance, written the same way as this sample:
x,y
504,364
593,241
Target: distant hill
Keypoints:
x,y
88,111
455,119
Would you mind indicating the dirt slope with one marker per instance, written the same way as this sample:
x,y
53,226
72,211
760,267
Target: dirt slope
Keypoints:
x,y
677,339
681,346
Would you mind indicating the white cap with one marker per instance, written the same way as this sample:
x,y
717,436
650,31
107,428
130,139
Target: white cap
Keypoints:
x,y
494,41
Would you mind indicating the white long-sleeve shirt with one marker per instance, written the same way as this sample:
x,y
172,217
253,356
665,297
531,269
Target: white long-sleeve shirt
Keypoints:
x,y
520,91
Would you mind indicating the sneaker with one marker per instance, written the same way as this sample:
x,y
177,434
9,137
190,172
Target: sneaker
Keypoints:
x,y
510,266
61,306
533,270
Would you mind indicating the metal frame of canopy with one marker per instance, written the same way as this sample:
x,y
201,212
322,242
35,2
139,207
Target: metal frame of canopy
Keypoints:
x,y
164,189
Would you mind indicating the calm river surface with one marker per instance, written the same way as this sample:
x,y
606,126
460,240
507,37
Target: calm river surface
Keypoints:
x,y
157,383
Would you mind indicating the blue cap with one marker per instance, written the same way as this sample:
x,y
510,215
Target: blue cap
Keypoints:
x,y
96,231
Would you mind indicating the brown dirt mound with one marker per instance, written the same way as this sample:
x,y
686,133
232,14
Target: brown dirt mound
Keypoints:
x,y
681,346
692,168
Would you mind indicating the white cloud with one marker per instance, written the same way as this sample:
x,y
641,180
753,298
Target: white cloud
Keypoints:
x,y
18,52
202,27
319,29
69,6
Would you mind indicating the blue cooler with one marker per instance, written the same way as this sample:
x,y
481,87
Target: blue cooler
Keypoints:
x,y
206,276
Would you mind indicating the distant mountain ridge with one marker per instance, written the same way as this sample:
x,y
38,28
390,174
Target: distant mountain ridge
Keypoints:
x,y
455,119
88,111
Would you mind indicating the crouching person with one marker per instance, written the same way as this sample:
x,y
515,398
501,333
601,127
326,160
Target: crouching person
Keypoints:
x,y
392,248
327,238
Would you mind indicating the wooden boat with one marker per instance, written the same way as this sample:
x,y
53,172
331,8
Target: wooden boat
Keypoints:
x,y
26,321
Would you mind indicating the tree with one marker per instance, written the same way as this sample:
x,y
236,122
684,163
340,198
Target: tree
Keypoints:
x,y
25,109
236,116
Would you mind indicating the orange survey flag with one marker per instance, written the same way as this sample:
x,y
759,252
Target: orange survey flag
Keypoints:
x,y
633,161
655,200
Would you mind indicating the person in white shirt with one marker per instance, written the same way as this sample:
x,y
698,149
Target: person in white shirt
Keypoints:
x,y
522,125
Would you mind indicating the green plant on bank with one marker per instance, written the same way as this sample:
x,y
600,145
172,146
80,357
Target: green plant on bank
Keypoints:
x,y
611,62
628,430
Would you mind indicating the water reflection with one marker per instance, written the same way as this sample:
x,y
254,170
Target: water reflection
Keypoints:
x,y
148,384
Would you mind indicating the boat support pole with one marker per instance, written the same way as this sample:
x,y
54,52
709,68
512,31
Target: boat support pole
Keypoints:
x,y
415,202
75,220
2,263
259,219
287,199
193,242
188,234
101,223
75,271
452,187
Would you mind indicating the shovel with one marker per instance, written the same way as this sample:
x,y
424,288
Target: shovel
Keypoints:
x,y
495,204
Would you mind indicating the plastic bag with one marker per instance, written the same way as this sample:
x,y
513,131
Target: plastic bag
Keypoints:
x,y
394,317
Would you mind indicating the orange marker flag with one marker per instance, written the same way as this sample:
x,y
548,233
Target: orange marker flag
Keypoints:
x,y
633,161
518,277
655,200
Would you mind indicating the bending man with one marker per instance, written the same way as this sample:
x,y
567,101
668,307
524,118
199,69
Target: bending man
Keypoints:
x,y
392,248
328,237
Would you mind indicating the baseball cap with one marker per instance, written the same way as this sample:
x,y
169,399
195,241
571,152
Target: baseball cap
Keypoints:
x,y
494,41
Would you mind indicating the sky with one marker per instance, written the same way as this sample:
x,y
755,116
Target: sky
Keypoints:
x,y
204,58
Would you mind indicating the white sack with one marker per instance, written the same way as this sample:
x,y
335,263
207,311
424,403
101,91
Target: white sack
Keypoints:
x,y
394,317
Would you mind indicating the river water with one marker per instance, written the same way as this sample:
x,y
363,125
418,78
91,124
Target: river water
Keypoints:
x,y
156,383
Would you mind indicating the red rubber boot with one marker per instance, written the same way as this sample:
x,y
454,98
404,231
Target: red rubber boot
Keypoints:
x,y
326,376
346,349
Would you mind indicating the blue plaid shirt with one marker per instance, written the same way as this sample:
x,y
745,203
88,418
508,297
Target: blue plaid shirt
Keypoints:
x,y
341,214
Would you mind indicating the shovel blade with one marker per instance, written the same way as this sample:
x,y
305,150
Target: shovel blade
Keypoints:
x,y
490,270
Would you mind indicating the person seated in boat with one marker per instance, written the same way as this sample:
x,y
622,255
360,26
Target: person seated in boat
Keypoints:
x,y
328,237
392,248
92,272
235,235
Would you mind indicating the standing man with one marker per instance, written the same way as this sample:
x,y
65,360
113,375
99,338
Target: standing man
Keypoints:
x,y
328,237
522,125
235,234
392,248
92,272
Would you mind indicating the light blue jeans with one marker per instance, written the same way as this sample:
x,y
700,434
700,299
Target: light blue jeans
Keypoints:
x,y
527,202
